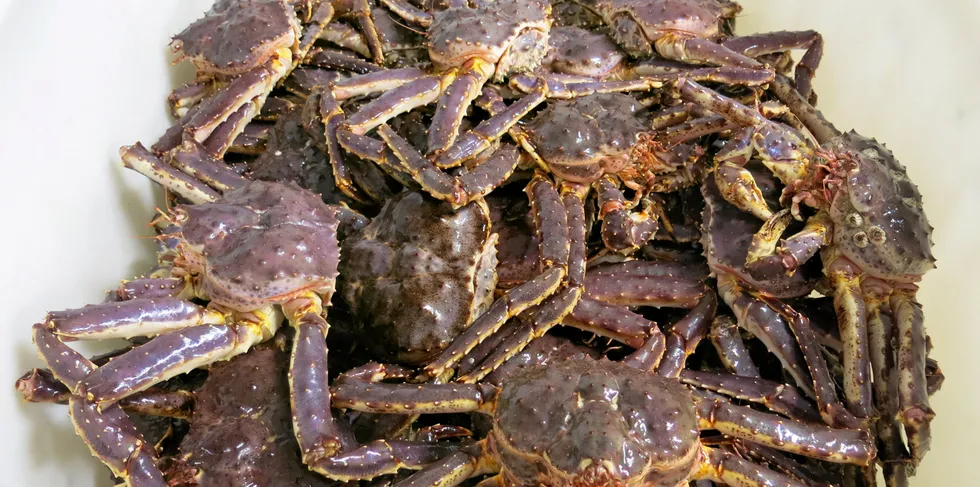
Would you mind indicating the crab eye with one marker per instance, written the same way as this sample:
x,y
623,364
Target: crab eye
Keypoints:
x,y
877,235
854,220
861,239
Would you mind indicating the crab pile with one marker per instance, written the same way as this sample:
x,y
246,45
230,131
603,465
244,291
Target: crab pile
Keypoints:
x,y
511,223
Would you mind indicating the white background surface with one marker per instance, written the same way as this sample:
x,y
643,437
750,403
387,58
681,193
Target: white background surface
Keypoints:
x,y
80,79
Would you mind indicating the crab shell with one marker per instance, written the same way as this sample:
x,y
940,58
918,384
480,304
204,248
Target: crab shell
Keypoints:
x,y
511,34
583,138
690,18
577,51
238,35
419,274
261,244
552,422
880,223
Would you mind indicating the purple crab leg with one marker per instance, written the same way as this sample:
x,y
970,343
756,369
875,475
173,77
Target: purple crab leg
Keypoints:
x,y
684,336
455,469
172,354
313,423
255,84
648,356
780,398
381,457
727,468
648,283
853,322
457,190
766,260
621,229
551,225
402,99
773,42
409,12
765,323
553,310
913,399
376,82
804,472
108,431
192,159
831,409
126,319
137,158
563,87
328,111
274,108
39,385
475,357
304,81
185,97
361,10
252,140
346,37
730,347
612,321
374,150
814,121
812,440
335,59
452,106
481,137
389,398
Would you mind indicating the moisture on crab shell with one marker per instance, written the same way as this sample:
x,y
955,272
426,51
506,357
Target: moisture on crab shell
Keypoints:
x,y
419,274
241,432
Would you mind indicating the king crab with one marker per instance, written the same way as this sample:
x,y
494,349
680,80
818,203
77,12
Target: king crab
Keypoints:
x,y
875,240
546,419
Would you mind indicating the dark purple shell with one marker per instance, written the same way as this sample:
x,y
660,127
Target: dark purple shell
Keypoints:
x,y
491,31
570,420
879,221
517,245
581,52
727,233
696,18
575,136
418,275
241,432
238,35
262,244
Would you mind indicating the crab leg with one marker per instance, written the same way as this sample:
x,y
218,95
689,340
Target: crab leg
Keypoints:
x,y
656,283
252,140
126,319
152,288
913,398
763,260
781,398
334,59
762,321
698,50
773,42
361,11
563,87
621,229
554,309
804,472
137,158
108,431
402,99
852,319
183,98
409,12
612,321
807,439
381,457
730,347
831,409
685,335
648,356
328,111
346,37
481,137
452,106
194,343
551,225
729,469
458,190
193,160
39,385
